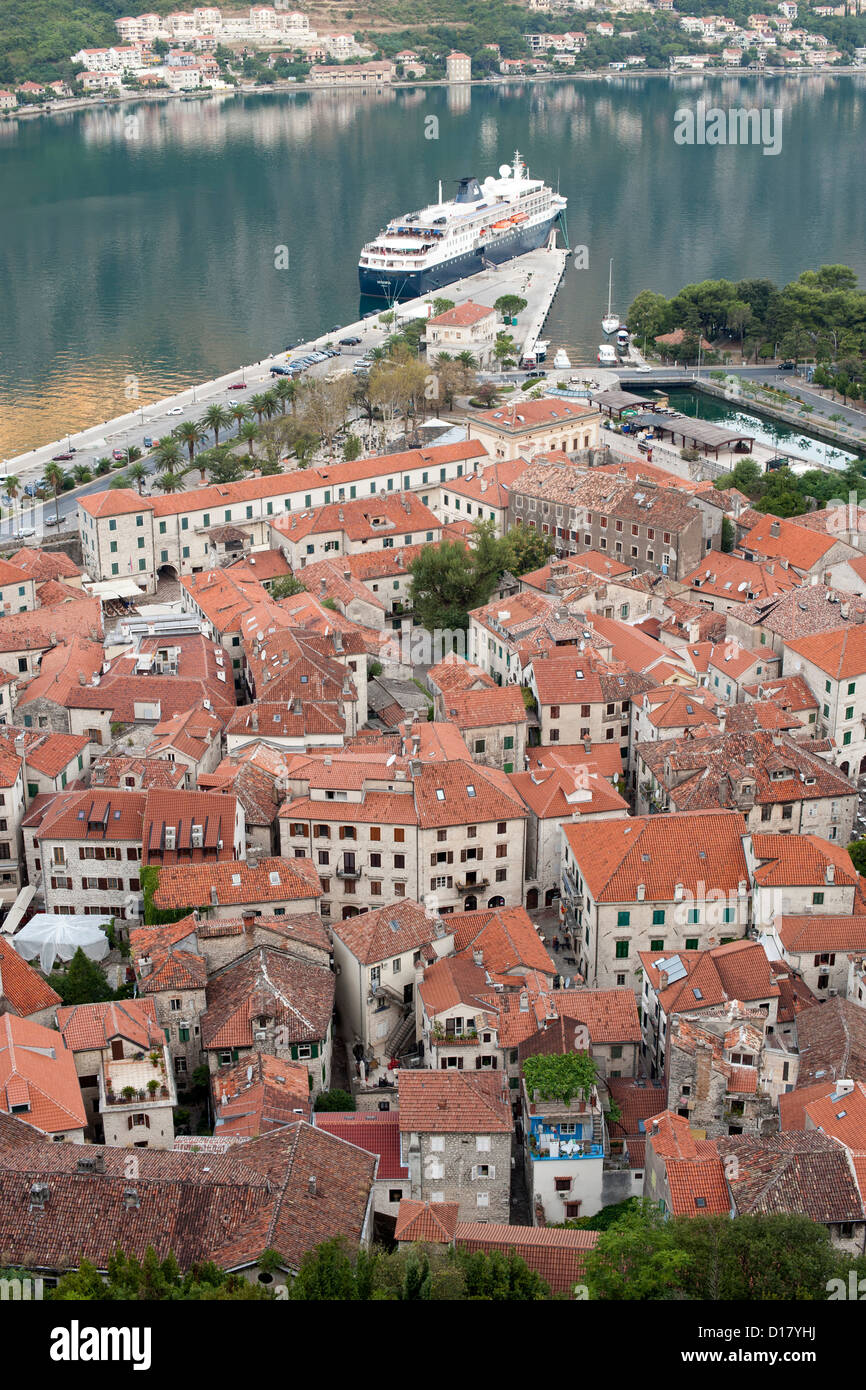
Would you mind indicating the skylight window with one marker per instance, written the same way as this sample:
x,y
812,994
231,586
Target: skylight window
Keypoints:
x,y
470,790
236,880
275,879
697,993
440,795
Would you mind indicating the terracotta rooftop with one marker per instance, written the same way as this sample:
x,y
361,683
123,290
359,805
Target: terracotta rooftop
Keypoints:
x,y
38,1079
453,1102
269,880
23,991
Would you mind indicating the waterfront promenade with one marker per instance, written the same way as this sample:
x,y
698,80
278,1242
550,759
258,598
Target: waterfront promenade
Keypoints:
x,y
535,277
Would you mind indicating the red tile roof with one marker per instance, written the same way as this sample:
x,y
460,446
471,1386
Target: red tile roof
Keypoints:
x,y
267,983
660,852
38,1072
377,1132
453,1102
558,1256
841,653
433,1222
22,990
269,880
259,1094
90,1027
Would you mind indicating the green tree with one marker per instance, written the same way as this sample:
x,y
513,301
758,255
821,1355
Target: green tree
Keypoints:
x,y
442,305
169,482
729,535
857,851
445,586
524,550
248,434
82,982
326,1275
352,448
509,306
499,1277
189,433
54,477
137,474
151,1279
215,418
334,1100
286,586
637,1258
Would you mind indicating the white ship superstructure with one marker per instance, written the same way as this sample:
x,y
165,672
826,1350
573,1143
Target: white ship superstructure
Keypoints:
x,y
484,224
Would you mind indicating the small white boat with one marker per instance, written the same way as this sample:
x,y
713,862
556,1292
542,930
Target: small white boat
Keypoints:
x,y
561,362
606,355
610,322
541,349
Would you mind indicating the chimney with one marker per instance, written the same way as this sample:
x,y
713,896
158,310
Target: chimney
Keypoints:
x,y
478,956
844,1086
311,1185
131,1198
39,1193
214,896
641,892
524,1001
774,528
249,920
323,586
663,980
831,873
145,966
254,722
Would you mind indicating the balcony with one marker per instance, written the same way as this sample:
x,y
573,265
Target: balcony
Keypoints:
x,y
472,887
344,871
136,1081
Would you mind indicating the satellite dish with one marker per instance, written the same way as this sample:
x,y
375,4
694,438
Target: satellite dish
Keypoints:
x,y
489,181
504,170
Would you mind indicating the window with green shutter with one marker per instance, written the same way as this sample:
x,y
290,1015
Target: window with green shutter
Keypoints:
x,y
622,950
623,918
691,943
658,916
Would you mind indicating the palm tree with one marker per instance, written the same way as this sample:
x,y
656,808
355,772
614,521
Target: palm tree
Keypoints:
x,y
81,473
215,418
468,360
13,487
258,404
137,474
271,403
167,455
169,482
119,481
103,466
56,479
286,391
132,453
239,412
189,433
248,434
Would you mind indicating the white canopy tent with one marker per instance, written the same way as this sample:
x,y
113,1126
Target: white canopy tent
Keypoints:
x,y
48,936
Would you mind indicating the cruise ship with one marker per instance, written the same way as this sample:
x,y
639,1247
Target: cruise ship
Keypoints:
x,y
483,224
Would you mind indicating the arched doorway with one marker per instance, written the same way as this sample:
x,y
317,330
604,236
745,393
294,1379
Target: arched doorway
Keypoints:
x,y
862,766
471,903
843,768
349,911
532,899
498,901
551,897
167,572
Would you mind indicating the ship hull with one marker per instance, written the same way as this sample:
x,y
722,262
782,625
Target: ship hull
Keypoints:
x,y
406,284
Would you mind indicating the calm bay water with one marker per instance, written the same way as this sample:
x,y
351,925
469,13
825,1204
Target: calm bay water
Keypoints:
x,y
138,245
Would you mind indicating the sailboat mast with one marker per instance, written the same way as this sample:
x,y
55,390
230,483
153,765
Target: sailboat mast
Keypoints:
x,y
609,286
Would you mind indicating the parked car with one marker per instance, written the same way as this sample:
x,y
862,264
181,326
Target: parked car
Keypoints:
x,y
786,366
118,454
55,520
148,442
25,534
644,367
349,342
175,410
238,386
279,371
62,458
